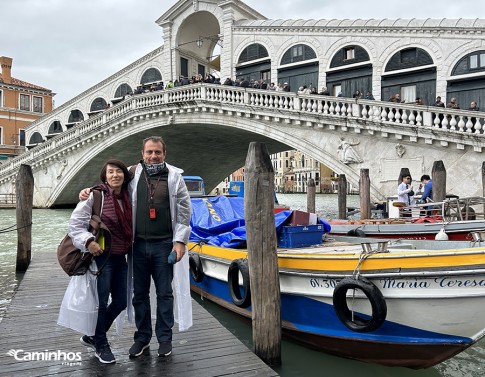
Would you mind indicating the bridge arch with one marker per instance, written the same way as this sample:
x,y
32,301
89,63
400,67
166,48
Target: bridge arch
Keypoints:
x,y
75,116
411,71
99,103
54,128
35,139
151,74
247,41
197,39
224,139
467,79
123,90
253,61
304,72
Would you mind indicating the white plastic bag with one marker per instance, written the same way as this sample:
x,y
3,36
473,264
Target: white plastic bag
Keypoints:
x,y
79,308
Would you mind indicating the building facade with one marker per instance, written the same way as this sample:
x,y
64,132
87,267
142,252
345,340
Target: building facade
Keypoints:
x,y
21,103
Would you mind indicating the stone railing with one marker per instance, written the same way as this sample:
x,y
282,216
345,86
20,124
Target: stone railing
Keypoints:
x,y
312,109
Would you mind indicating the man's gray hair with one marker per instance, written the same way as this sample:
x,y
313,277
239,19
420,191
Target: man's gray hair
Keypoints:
x,y
155,139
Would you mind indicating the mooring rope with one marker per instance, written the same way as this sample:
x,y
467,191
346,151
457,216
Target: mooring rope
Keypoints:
x,y
8,229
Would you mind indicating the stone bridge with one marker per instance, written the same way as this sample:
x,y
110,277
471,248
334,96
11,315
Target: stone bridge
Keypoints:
x,y
208,128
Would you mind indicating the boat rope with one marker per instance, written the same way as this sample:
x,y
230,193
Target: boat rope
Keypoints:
x,y
9,228
199,244
363,256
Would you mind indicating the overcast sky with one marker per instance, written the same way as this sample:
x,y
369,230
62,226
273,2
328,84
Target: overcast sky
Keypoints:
x,y
69,46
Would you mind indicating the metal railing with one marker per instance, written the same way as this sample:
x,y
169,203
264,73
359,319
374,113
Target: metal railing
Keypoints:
x,y
8,200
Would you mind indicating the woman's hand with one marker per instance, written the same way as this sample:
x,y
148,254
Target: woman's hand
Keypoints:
x,y
94,248
84,194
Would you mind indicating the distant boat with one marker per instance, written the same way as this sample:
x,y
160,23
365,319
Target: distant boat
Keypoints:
x,y
399,303
458,218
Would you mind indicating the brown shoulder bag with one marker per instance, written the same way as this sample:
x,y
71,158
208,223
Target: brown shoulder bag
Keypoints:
x,y
72,260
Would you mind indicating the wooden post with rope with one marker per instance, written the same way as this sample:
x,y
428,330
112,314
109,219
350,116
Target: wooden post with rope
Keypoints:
x,y
24,189
342,196
262,257
310,198
364,189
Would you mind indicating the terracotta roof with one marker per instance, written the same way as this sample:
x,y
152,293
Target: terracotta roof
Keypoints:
x,y
25,84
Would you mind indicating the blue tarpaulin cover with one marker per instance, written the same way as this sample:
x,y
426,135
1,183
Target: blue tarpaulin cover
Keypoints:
x,y
219,221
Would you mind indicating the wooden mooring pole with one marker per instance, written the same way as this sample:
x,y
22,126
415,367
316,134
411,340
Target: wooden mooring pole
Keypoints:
x,y
24,189
364,190
438,174
342,196
310,198
262,257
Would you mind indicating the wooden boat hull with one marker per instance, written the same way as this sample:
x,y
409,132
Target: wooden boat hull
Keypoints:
x,y
425,292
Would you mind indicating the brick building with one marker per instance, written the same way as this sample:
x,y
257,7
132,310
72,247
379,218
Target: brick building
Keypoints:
x,y
20,104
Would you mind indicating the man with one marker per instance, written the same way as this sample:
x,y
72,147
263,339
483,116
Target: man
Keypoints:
x,y
426,187
453,104
405,193
473,106
438,102
426,190
161,217
161,211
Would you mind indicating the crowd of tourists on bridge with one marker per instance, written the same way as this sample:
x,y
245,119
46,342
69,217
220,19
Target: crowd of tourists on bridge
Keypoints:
x,y
438,103
284,87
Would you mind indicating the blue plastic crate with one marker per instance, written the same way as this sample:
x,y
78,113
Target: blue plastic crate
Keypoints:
x,y
300,236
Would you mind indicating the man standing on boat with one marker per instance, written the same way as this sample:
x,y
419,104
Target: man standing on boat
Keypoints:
x,y
405,193
426,188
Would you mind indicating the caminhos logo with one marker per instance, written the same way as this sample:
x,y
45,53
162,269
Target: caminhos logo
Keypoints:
x,y
21,355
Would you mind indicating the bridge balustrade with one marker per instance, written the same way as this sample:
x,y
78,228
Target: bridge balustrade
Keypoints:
x,y
456,121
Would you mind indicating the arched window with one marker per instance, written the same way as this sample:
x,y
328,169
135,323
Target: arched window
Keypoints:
x,y
76,116
36,138
408,58
253,52
298,53
98,104
55,128
123,90
349,55
151,75
474,62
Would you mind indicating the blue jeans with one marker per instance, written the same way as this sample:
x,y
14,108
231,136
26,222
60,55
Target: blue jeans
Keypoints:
x,y
111,280
150,260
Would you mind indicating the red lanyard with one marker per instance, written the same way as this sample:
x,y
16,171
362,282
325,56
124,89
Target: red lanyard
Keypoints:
x,y
151,188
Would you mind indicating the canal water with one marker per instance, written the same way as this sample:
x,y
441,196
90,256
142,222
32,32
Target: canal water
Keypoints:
x,y
50,226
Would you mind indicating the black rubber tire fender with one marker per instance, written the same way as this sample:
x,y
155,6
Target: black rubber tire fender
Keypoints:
x,y
242,300
356,233
196,270
355,322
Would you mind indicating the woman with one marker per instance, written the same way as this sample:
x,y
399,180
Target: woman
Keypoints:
x,y
117,216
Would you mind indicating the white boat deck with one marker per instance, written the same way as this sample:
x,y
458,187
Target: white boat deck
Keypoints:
x,y
356,245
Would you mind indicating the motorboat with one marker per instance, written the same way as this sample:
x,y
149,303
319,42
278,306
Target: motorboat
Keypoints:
x,y
408,303
451,219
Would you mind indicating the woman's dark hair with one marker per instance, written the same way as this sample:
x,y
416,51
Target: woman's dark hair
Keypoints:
x,y
118,164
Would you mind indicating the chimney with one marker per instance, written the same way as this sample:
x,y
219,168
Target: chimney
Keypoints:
x,y
6,69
